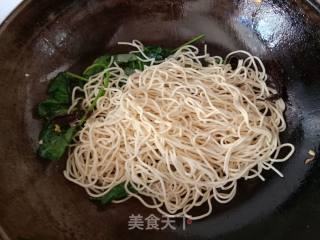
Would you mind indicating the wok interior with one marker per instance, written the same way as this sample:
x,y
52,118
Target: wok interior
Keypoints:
x,y
42,38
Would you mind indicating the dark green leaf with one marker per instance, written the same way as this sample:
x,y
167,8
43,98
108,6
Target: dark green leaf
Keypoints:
x,y
59,88
129,62
130,67
157,52
104,60
129,70
116,193
98,65
94,69
52,108
54,141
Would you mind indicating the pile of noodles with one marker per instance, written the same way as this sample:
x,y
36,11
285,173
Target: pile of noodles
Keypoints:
x,y
181,132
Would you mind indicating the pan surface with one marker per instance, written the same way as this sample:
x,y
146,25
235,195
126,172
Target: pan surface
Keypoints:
x,y
42,38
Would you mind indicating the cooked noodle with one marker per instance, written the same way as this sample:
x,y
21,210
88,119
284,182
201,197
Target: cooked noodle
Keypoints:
x,y
181,132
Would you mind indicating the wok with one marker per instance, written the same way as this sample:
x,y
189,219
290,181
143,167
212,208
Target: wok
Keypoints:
x,y
42,38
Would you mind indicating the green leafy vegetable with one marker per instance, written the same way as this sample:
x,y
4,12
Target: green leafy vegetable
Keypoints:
x,y
98,65
129,62
59,88
156,52
131,67
59,98
51,108
54,141
116,193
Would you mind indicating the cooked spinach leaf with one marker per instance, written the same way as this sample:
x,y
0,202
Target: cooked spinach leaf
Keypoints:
x,y
129,62
59,88
130,67
55,140
98,65
157,52
51,108
116,193
59,99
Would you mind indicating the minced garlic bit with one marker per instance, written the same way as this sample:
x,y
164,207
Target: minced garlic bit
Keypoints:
x,y
57,128
312,152
312,156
